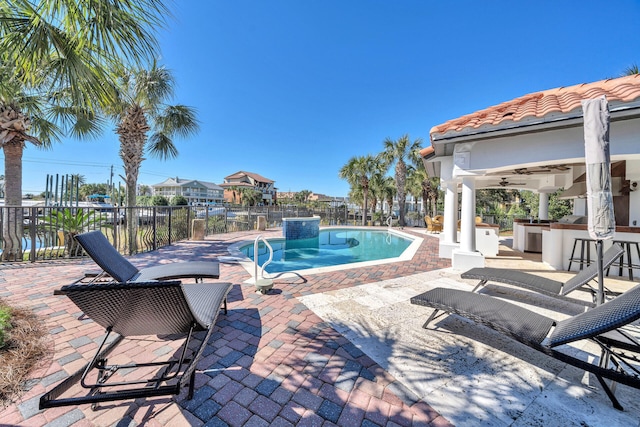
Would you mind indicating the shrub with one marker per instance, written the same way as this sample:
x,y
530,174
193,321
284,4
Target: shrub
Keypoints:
x,y
73,223
159,201
5,322
179,201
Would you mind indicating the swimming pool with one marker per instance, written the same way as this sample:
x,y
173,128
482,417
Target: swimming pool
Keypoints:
x,y
344,247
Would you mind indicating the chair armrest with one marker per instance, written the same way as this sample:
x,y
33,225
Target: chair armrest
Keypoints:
x,y
96,286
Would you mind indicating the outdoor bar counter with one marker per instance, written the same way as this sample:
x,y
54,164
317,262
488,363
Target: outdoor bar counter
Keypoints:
x,y
558,240
527,236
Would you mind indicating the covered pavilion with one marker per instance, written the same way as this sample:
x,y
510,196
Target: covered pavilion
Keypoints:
x,y
535,142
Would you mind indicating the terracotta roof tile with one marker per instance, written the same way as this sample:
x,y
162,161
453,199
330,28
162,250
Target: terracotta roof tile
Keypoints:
x,y
539,104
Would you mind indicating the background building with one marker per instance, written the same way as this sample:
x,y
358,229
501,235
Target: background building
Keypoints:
x,y
236,183
195,191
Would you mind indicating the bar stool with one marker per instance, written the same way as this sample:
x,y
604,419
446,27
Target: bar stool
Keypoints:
x,y
626,245
584,243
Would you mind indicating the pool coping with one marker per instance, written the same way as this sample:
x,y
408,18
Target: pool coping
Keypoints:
x,y
235,255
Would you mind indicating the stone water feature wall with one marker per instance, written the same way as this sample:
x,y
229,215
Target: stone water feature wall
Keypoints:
x,y
301,228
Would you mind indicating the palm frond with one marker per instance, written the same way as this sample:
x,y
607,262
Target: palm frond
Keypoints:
x,y
161,147
153,87
46,131
178,120
631,70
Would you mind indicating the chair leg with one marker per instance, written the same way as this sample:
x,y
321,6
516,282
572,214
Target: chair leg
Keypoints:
x,y
612,397
629,263
573,251
480,283
637,250
621,262
434,315
192,381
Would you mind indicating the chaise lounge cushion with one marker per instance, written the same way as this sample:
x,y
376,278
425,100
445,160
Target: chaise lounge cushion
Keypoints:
x,y
604,324
508,318
128,309
541,284
115,265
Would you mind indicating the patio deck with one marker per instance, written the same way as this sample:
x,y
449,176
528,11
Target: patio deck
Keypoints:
x,y
322,350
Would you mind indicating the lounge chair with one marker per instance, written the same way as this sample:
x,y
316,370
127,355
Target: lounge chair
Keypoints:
x,y
544,285
115,265
602,325
135,309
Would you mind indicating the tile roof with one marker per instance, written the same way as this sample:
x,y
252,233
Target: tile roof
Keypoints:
x,y
255,176
539,104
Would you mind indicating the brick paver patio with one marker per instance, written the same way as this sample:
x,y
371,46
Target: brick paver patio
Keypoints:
x,y
271,361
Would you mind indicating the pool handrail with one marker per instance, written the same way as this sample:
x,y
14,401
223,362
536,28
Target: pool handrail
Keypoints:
x,y
262,283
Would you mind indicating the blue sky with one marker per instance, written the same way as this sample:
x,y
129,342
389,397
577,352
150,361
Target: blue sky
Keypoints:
x,y
291,89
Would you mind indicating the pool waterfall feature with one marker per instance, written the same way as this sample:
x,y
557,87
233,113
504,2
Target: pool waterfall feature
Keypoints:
x,y
301,232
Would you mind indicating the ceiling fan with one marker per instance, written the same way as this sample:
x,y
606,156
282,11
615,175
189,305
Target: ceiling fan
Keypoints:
x,y
541,169
505,183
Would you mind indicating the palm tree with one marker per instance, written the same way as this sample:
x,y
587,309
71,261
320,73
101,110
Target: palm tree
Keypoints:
x,y
139,109
400,152
377,189
144,190
234,189
29,115
55,62
414,184
303,196
357,172
389,192
430,187
631,70
75,44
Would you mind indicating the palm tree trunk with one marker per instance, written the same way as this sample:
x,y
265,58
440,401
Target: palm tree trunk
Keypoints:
x,y
374,203
132,131
401,177
12,217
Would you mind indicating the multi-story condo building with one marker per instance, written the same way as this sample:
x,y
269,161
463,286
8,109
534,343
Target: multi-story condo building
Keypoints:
x,y
234,183
195,191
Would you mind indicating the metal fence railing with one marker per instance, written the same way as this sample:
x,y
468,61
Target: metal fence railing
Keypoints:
x,y
43,233
39,233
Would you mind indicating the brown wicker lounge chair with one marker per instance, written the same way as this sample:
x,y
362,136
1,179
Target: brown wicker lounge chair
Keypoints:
x,y
135,309
544,285
432,226
602,324
115,265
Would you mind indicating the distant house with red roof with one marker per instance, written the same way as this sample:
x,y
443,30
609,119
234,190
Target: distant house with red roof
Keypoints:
x,y
234,183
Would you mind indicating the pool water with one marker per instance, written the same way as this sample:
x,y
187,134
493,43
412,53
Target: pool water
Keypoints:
x,y
332,247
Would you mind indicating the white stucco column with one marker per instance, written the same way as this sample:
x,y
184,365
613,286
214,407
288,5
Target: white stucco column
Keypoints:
x,y
466,257
543,206
451,212
449,236
468,215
